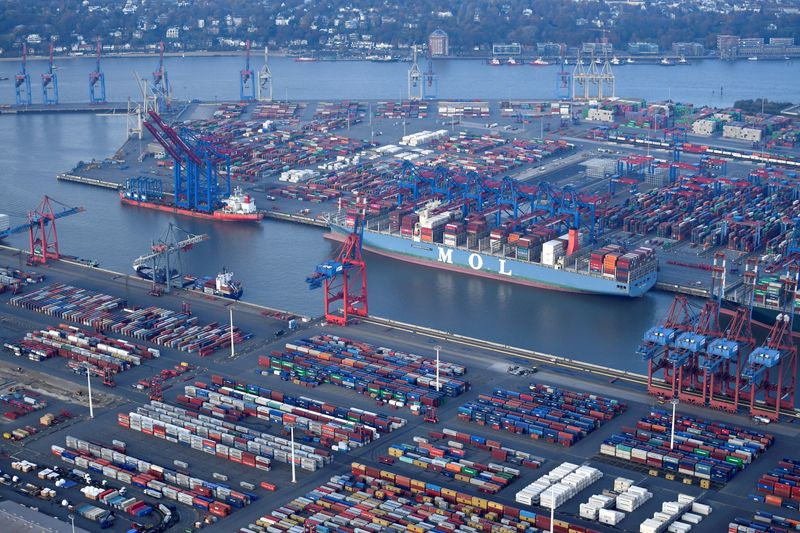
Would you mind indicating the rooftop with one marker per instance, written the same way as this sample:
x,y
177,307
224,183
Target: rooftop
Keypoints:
x,y
17,518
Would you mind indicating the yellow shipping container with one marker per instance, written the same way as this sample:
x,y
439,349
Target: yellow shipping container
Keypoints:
x,y
496,507
464,499
480,503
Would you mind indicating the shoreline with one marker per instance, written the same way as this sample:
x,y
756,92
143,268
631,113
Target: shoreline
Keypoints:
x,y
639,60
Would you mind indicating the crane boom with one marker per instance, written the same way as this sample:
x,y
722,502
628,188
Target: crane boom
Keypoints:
x,y
159,251
36,218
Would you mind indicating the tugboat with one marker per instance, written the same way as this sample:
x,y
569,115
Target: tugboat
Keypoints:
x,y
665,62
494,62
539,62
223,285
513,62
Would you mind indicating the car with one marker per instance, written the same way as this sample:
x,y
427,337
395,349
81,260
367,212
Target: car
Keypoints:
x,y
761,420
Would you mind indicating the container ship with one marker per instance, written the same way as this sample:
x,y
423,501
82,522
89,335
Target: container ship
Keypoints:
x,y
222,285
238,207
534,257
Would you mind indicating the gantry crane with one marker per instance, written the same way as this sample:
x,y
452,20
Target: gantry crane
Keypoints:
x,y
247,86
264,86
659,341
197,165
414,77
41,228
50,83
156,264
162,90
430,88
345,278
97,81
771,370
22,81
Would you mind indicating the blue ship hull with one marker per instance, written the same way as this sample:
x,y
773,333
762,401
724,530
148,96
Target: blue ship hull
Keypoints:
x,y
491,266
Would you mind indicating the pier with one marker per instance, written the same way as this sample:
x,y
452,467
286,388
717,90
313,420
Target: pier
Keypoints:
x,y
110,107
89,181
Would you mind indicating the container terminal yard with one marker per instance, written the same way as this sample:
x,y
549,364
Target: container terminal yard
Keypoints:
x,y
507,432
348,421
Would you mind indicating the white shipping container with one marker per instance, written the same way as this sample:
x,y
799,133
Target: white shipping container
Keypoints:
x,y
701,509
610,517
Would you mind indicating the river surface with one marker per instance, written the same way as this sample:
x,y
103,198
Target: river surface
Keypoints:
x,y
273,258
210,78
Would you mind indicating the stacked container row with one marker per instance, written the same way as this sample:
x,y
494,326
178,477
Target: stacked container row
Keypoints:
x,y
146,474
710,451
450,462
781,485
222,439
547,413
375,500
171,329
763,522
84,346
330,430
393,377
383,423
496,448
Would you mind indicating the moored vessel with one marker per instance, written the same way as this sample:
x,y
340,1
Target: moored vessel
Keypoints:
x,y
238,207
437,240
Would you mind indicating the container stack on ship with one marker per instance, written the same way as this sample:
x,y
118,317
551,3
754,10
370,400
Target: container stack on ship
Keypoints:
x,y
537,236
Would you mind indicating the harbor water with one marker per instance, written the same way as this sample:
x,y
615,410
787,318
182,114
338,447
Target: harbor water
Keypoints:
x,y
273,258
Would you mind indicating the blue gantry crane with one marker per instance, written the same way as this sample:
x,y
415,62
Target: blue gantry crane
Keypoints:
x,y
50,83
97,81
247,85
41,228
198,183
162,90
565,208
22,80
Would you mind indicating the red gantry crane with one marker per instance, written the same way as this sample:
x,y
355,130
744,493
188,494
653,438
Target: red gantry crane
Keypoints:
x,y
345,278
41,228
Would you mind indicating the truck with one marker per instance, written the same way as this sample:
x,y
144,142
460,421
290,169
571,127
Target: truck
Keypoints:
x,y
103,518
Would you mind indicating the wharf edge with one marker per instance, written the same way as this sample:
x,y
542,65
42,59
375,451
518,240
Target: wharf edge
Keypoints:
x,y
131,277
554,360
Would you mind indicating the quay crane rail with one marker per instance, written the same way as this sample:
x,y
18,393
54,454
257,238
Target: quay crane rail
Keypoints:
x,y
41,228
345,278
175,240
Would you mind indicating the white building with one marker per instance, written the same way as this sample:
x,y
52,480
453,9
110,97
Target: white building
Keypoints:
x,y
173,32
